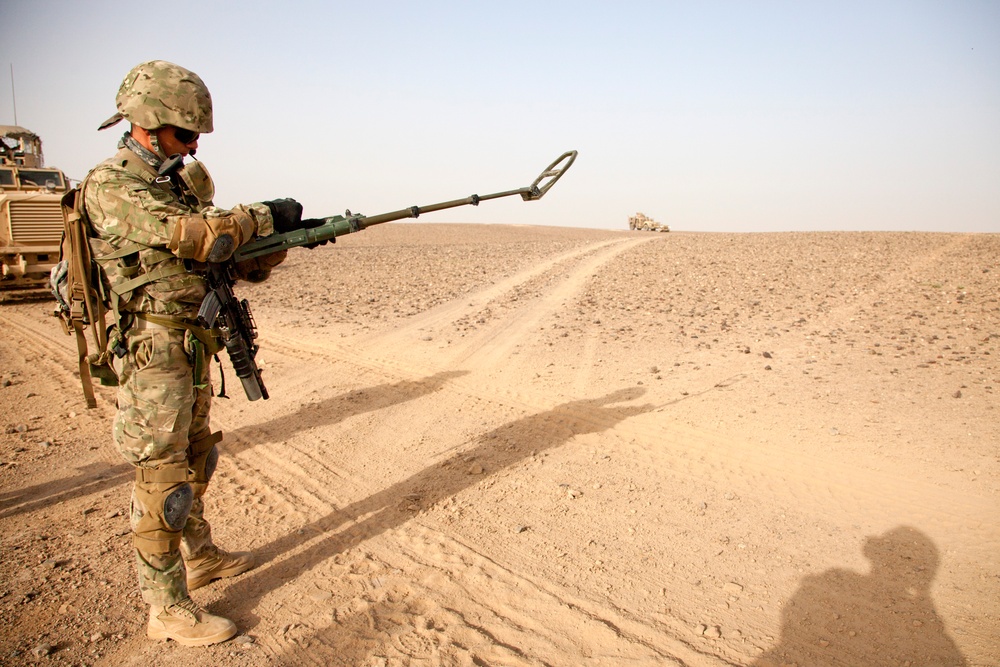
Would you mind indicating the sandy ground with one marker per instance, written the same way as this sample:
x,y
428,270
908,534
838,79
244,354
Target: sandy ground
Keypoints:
x,y
505,445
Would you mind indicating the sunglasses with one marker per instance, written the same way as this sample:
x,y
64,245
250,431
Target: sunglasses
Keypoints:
x,y
186,136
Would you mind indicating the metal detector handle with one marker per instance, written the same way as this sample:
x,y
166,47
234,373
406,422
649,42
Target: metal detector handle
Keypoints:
x,y
553,173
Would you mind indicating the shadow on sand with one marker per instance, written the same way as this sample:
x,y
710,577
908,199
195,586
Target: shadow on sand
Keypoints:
x,y
335,409
393,506
92,478
98,477
885,617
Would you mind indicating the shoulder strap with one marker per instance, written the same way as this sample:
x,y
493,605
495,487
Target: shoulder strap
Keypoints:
x,y
86,303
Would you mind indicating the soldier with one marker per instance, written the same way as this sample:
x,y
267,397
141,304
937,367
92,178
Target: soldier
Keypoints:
x,y
155,229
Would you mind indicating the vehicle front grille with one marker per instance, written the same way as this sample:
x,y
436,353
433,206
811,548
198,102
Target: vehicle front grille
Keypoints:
x,y
35,223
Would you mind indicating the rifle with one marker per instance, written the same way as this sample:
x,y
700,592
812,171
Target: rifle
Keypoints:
x,y
223,310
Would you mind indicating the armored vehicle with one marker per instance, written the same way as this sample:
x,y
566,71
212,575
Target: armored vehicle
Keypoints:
x,y
31,222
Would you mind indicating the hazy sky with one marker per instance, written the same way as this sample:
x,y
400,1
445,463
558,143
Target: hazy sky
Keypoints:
x,y
708,116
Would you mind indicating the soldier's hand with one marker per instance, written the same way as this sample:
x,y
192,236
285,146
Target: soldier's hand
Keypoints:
x,y
309,224
286,213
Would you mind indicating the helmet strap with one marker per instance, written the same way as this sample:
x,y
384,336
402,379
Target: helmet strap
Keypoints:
x,y
155,141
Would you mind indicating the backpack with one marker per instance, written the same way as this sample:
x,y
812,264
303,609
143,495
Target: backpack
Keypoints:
x,y
84,297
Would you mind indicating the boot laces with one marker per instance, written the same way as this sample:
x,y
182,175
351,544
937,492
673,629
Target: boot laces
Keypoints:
x,y
187,608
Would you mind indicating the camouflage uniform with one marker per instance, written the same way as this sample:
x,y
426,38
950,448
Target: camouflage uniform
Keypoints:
x,y
165,386
151,233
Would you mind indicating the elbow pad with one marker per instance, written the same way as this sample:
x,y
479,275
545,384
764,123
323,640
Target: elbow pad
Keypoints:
x,y
211,238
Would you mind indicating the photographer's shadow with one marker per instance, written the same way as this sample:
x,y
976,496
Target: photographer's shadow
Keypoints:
x,y
886,617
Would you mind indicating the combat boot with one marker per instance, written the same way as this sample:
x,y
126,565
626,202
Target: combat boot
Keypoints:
x,y
214,563
188,624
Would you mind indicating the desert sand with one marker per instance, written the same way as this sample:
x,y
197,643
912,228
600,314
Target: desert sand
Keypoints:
x,y
511,445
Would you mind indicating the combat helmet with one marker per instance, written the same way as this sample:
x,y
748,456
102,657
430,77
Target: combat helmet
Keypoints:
x,y
158,93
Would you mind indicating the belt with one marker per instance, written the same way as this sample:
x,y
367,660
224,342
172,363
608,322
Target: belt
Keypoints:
x,y
152,321
208,337
140,324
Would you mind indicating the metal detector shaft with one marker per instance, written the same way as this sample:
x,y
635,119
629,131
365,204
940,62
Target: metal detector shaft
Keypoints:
x,y
339,225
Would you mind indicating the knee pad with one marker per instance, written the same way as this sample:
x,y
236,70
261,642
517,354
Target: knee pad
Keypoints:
x,y
204,457
161,503
203,466
177,506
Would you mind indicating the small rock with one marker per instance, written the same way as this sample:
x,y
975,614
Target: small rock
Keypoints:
x,y
320,596
476,469
89,510
834,431
21,428
824,643
713,632
733,587
113,514
700,629
520,529
426,338
45,444
573,494
243,639
41,650
957,394
766,355
96,637
30,394
6,382
917,624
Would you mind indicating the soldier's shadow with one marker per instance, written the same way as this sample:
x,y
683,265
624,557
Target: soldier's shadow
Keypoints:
x,y
886,617
345,528
334,410
90,479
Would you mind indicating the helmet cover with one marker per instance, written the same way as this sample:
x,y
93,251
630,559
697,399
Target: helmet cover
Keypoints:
x,y
158,93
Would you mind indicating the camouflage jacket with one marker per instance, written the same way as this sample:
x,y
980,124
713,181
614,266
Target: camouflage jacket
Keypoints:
x,y
126,206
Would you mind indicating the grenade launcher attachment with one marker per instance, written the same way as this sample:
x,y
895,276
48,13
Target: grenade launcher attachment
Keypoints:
x,y
221,308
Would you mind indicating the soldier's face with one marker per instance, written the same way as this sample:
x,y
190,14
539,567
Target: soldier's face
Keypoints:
x,y
172,144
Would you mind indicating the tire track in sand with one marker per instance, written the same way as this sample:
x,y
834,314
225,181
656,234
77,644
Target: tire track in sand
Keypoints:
x,y
501,316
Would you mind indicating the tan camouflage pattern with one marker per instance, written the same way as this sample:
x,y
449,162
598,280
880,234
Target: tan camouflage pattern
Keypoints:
x,y
162,407
124,205
158,93
165,390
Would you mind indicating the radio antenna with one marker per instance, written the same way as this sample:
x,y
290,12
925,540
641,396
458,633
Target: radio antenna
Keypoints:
x,y
12,97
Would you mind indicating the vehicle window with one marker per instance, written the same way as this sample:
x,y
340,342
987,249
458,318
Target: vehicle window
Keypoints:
x,y
40,177
7,177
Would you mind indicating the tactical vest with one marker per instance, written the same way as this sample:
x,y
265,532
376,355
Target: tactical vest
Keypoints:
x,y
94,277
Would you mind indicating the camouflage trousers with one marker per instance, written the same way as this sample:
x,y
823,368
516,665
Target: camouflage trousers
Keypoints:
x,y
162,428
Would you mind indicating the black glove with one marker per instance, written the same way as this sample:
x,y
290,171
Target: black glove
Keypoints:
x,y
287,215
309,224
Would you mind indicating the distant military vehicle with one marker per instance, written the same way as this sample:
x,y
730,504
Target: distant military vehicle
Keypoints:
x,y
640,222
31,222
